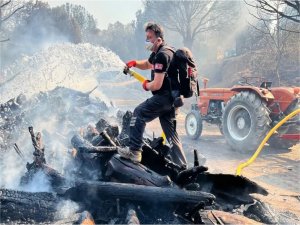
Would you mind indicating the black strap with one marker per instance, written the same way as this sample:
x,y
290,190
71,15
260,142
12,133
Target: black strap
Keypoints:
x,y
164,47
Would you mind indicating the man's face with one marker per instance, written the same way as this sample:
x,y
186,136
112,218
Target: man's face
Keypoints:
x,y
150,36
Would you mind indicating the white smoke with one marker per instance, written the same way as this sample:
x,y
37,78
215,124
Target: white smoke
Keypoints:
x,y
67,65
12,167
80,67
66,209
38,183
11,170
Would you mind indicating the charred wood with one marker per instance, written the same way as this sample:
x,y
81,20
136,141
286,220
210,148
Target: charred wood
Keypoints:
x,y
19,206
84,146
230,190
39,150
124,171
136,193
189,175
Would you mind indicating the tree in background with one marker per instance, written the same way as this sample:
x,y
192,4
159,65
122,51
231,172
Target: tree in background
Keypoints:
x,y
86,22
8,9
38,25
276,23
142,17
191,18
120,39
288,9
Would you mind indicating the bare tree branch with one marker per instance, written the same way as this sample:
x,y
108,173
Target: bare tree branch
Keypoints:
x,y
11,14
4,40
188,17
296,6
277,19
4,4
267,6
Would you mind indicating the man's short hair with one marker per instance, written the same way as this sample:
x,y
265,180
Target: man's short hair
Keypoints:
x,y
156,28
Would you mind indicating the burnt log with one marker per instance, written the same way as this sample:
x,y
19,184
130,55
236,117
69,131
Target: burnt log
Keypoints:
x,y
85,147
124,171
135,193
112,130
230,190
39,149
98,149
56,179
159,163
189,175
108,139
261,212
39,163
124,135
20,206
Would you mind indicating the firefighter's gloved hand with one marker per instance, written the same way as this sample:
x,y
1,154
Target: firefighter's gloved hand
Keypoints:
x,y
144,85
131,63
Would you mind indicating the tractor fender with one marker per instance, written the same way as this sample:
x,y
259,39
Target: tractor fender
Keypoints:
x,y
262,92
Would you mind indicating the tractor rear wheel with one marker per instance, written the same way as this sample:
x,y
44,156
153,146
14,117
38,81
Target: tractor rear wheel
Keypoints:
x,y
245,121
291,128
220,125
193,124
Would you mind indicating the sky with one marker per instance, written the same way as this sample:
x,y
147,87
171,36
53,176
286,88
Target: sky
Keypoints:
x,y
106,11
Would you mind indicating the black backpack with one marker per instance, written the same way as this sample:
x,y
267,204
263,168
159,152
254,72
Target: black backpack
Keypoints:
x,y
184,68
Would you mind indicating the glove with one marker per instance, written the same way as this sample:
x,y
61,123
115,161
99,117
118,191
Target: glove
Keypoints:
x,y
190,72
131,63
144,85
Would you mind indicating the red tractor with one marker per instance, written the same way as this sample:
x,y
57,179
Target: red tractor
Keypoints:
x,y
245,113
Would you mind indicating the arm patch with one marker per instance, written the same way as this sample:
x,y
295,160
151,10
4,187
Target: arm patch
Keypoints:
x,y
158,66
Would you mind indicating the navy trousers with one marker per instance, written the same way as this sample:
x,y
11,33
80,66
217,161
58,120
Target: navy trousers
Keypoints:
x,y
158,106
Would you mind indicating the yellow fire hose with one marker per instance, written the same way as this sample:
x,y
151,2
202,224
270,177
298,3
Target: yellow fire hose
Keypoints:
x,y
260,147
136,75
164,137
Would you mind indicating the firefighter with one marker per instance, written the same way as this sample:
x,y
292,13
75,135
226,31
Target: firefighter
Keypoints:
x,y
160,105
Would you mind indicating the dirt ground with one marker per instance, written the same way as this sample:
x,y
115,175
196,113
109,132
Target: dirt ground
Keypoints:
x,y
277,170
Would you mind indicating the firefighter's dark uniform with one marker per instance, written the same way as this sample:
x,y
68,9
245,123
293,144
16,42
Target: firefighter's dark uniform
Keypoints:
x,y
159,105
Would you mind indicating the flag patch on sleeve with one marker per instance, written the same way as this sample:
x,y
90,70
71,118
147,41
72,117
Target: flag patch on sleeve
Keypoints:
x,y
158,66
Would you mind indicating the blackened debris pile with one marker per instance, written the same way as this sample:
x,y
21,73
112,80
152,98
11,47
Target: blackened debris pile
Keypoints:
x,y
61,111
111,190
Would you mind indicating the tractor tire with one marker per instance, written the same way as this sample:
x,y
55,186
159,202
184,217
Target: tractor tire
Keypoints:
x,y
278,143
245,121
193,124
220,125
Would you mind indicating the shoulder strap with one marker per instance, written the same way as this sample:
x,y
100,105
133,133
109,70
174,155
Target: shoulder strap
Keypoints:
x,y
167,48
163,48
